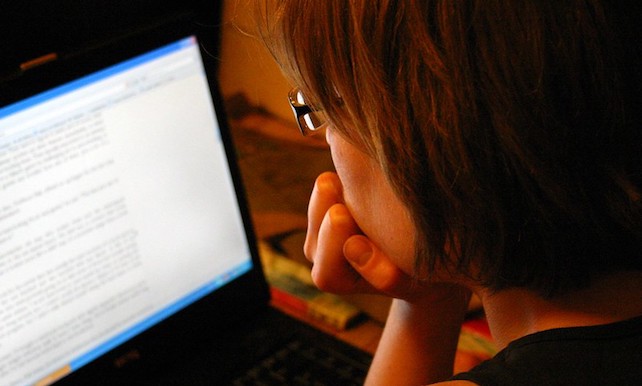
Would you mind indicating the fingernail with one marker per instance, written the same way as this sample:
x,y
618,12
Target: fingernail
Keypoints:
x,y
357,250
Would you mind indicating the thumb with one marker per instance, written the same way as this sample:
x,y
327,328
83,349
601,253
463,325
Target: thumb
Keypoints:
x,y
376,268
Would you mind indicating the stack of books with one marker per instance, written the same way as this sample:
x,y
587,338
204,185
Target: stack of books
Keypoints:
x,y
292,287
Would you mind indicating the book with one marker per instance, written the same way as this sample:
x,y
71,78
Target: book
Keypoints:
x,y
291,286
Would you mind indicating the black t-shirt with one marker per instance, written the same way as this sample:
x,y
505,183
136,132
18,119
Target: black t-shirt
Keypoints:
x,y
598,355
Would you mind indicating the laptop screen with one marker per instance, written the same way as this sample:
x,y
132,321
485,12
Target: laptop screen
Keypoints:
x,y
117,210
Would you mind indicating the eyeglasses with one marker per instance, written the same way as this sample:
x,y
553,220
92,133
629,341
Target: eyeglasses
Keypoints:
x,y
307,117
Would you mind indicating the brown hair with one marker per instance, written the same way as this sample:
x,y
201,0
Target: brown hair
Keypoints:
x,y
510,130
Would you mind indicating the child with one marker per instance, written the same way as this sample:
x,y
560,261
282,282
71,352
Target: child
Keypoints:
x,y
480,147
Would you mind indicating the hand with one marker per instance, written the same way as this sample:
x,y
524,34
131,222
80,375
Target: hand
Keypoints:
x,y
344,259
421,333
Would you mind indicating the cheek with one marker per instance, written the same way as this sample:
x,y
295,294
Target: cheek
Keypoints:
x,y
377,210
389,226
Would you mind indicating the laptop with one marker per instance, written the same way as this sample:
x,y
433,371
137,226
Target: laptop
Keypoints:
x,y
126,251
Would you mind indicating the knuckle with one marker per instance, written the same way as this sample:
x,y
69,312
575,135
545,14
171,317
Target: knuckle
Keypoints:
x,y
308,250
340,218
327,184
321,281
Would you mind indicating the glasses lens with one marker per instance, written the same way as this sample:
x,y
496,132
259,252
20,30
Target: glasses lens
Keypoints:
x,y
300,98
311,119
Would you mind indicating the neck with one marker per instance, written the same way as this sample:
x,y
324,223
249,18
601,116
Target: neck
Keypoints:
x,y
514,313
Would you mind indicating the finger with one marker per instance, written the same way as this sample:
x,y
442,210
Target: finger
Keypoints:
x,y
375,268
327,192
330,271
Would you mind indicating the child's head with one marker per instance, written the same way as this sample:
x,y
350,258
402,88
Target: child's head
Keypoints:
x,y
510,130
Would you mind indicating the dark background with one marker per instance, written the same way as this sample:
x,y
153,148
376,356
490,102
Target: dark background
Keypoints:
x,y
32,28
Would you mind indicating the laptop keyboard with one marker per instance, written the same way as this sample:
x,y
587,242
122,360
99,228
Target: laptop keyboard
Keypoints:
x,y
302,363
